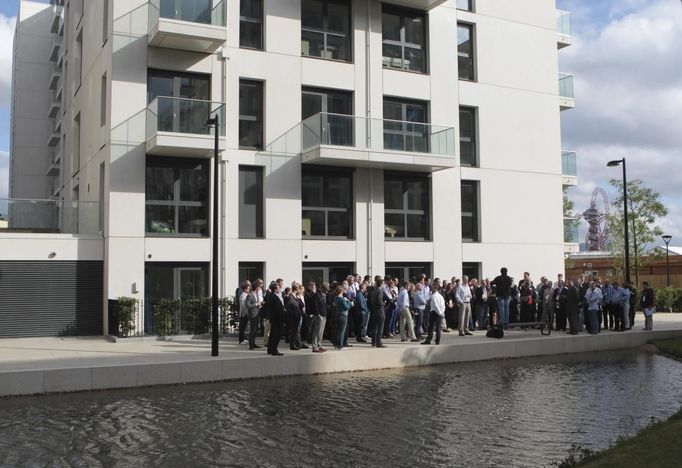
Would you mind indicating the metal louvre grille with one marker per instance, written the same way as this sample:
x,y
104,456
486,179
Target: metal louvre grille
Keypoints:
x,y
53,298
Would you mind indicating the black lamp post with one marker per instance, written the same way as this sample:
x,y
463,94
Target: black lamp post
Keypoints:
x,y
614,163
667,239
214,122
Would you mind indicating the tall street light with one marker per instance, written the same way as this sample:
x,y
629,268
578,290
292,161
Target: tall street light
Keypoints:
x,y
214,122
667,239
614,163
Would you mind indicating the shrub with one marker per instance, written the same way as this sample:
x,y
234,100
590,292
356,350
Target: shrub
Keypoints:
x,y
127,310
165,314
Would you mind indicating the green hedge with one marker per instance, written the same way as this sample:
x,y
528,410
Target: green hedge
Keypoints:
x,y
669,299
192,316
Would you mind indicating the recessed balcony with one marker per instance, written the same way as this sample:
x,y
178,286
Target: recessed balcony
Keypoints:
x,y
178,127
55,26
55,77
416,4
566,96
55,45
569,168
55,134
563,29
53,163
194,25
55,106
347,140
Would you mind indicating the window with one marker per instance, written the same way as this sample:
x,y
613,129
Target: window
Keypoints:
x,y
466,5
470,218
471,270
79,61
183,103
327,199
332,127
76,150
251,24
176,194
250,271
195,11
326,272
250,202
406,271
467,136
404,128
465,51
404,39
103,102
325,29
250,114
105,20
406,206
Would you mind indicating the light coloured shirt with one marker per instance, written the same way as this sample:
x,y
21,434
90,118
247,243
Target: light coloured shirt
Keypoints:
x,y
419,300
593,298
463,294
403,299
438,304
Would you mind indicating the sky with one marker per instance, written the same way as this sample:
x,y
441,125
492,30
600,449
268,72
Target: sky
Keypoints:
x,y
627,61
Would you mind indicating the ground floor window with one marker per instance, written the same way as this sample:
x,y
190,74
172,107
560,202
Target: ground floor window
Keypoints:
x,y
326,272
407,271
472,270
251,271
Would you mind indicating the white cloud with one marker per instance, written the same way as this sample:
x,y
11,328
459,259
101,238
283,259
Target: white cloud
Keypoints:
x,y
4,174
7,25
628,100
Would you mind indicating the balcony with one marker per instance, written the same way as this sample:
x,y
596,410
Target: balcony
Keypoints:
x,y
347,140
416,4
53,165
194,25
54,47
566,96
55,77
177,127
55,26
51,216
563,29
569,168
55,106
55,135
571,235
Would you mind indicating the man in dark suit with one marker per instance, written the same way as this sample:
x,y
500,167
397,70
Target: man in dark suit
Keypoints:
x,y
275,313
293,315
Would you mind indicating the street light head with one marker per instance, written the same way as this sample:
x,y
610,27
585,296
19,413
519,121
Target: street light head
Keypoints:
x,y
667,239
614,163
211,122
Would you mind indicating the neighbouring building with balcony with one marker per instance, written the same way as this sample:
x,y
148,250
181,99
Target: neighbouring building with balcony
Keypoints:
x,y
397,137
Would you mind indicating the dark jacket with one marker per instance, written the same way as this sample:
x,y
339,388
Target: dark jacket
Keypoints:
x,y
273,308
572,301
503,286
320,304
293,311
361,303
648,298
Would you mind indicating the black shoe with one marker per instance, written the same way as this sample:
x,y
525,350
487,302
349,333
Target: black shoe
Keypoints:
x,y
304,347
426,342
295,348
468,333
415,340
461,334
381,345
277,353
256,346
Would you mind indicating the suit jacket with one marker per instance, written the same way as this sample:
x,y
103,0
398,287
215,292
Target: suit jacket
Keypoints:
x,y
274,309
293,311
252,304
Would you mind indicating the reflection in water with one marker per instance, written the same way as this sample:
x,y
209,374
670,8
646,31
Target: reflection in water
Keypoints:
x,y
510,413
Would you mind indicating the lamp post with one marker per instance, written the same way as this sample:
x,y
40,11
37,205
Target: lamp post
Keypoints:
x,y
214,122
614,163
667,239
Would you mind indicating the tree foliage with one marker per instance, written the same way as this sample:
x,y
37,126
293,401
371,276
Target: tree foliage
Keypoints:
x,y
644,209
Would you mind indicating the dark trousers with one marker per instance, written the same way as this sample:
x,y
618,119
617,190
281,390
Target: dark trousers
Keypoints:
x,y
379,317
616,316
561,318
253,330
294,334
632,315
451,317
526,312
275,334
573,322
434,322
604,316
358,320
243,322
341,322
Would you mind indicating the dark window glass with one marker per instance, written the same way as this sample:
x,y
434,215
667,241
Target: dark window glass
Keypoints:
x,y
471,270
407,271
182,101
326,272
465,5
195,11
250,202
327,199
470,215
465,51
250,114
251,271
325,29
324,113
251,24
467,136
406,206
176,197
404,126
404,39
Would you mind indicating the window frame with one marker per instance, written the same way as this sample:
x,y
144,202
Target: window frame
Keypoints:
x,y
406,130
252,20
475,216
258,118
325,31
177,164
470,5
473,111
471,57
405,179
260,210
325,208
402,14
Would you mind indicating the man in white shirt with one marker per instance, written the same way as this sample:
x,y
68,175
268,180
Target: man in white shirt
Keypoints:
x,y
406,323
463,296
436,314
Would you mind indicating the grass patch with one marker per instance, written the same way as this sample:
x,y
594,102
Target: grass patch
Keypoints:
x,y
658,445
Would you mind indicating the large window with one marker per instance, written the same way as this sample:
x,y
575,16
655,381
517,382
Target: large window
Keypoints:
x,y
326,272
470,215
471,270
176,193
466,5
404,39
404,128
465,51
251,271
467,136
325,29
250,114
407,271
335,126
183,103
250,202
327,199
76,150
251,24
406,207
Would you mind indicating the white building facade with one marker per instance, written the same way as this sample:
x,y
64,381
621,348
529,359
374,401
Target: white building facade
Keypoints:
x,y
355,136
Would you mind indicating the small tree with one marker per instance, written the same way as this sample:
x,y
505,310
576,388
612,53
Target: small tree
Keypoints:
x,y
644,208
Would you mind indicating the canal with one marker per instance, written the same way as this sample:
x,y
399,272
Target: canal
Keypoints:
x,y
524,412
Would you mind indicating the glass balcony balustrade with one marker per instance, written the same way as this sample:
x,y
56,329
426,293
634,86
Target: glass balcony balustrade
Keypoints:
x,y
49,216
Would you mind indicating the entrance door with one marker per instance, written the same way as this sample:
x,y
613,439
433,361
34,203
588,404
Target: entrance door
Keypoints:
x,y
325,272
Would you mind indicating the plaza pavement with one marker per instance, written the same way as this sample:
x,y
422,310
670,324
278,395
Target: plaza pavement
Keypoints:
x,y
47,365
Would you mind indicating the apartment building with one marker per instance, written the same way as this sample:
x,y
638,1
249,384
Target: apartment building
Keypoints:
x,y
397,137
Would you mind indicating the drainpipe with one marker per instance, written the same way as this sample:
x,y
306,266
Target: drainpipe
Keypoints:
x,y
368,137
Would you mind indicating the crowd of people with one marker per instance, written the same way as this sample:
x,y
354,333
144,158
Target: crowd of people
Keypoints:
x,y
369,311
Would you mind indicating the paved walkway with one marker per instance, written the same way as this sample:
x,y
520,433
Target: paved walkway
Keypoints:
x,y
38,365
